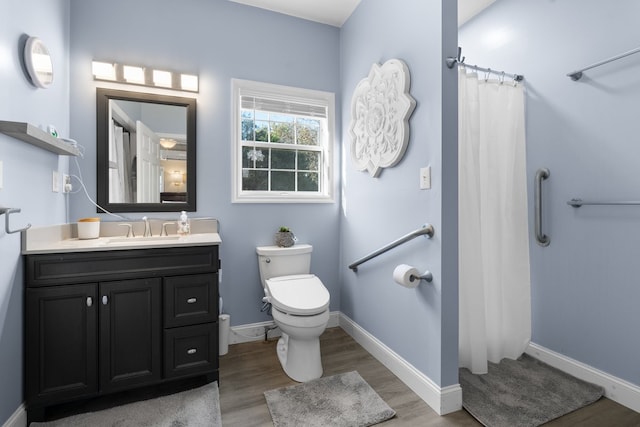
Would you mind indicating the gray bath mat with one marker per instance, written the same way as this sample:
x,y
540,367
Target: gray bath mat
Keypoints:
x,y
340,400
523,392
199,407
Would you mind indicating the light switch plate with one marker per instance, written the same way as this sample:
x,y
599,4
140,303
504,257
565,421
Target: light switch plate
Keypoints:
x,y
425,178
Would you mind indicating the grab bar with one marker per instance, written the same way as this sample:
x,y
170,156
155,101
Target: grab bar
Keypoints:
x,y
426,229
7,212
541,238
576,203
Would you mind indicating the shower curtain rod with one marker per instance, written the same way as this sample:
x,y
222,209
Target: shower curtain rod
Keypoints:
x,y
451,61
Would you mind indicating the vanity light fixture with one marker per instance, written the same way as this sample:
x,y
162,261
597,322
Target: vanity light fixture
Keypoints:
x,y
189,82
103,70
162,78
145,76
133,75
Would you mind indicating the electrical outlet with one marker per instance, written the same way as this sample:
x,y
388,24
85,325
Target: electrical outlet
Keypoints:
x,y
1,173
425,178
55,182
66,183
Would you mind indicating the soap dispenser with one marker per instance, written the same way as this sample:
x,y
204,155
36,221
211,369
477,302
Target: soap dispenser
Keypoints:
x,y
183,225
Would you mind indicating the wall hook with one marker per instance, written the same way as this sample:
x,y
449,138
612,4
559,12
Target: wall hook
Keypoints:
x,y
451,60
6,212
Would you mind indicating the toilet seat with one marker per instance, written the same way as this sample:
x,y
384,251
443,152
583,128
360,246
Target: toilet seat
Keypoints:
x,y
302,294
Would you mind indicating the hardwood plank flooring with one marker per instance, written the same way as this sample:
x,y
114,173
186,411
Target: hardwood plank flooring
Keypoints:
x,y
250,369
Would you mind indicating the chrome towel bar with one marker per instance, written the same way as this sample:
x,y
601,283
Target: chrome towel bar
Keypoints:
x,y
576,203
577,74
426,229
7,212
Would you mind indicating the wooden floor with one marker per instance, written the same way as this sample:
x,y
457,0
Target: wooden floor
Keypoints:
x,y
250,369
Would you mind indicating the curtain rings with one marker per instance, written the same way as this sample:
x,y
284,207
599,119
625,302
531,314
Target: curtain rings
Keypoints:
x,y
486,74
502,77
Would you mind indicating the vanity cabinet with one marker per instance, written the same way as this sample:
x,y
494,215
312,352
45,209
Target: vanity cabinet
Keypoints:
x,y
107,321
61,342
130,331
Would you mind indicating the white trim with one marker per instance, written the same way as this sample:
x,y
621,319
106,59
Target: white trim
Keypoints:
x,y
616,389
442,400
18,419
255,331
307,96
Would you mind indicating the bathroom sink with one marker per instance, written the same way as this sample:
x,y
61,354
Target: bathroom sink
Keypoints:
x,y
140,240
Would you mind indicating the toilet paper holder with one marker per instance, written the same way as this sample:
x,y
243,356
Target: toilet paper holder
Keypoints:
x,y
426,276
409,276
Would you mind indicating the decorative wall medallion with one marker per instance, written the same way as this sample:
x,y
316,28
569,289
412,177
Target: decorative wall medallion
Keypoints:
x,y
380,111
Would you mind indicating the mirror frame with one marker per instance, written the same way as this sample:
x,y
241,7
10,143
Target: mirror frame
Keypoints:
x,y
103,96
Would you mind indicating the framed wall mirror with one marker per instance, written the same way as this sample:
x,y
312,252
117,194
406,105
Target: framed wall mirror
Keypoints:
x,y
146,152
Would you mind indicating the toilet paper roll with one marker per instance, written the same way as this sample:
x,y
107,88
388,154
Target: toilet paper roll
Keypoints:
x,y
403,275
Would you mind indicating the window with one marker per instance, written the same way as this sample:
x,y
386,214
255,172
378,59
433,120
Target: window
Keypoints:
x,y
282,141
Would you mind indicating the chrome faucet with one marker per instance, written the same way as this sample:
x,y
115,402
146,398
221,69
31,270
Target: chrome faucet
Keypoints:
x,y
163,231
130,232
147,227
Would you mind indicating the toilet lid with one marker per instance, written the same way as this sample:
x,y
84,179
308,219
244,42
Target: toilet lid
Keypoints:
x,y
303,294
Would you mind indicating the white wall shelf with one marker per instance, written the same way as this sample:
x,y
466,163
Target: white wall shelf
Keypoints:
x,y
33,135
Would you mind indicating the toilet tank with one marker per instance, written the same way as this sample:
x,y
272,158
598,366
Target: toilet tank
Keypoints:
x,y
275,261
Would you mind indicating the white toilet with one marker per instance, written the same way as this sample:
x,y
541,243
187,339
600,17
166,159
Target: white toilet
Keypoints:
x,y
299,305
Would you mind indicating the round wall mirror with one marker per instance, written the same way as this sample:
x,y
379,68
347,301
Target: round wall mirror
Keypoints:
x,y
38,63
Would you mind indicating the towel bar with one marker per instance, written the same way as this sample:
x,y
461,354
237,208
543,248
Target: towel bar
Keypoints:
x,y
7,212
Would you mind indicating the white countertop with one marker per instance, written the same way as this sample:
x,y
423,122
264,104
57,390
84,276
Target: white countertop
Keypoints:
x,y
62,238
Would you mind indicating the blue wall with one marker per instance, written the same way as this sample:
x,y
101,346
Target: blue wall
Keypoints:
x,y
584,284
27,169
219,40
419,324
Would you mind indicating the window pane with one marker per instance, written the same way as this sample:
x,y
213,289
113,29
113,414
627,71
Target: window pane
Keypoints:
x,y
283,159
283,181
281,118
308,181
261,115
255,180
255,158
262,131
308,131
282,132
247,130
308,160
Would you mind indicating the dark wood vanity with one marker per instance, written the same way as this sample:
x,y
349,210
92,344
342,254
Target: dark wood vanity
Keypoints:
x,y
106,321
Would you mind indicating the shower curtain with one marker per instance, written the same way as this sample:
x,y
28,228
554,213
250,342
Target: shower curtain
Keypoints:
x,y
494,287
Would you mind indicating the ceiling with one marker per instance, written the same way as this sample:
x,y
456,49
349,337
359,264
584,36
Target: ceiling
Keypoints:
x,y
336,12
331,12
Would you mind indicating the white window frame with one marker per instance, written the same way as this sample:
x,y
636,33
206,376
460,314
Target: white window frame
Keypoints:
x,y
241,88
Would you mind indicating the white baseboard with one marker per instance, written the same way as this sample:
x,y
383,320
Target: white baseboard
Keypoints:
x,y
442,400
255,331
616,389
18,419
